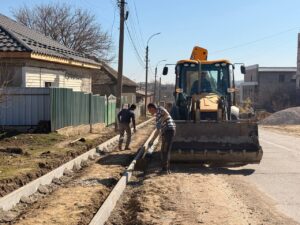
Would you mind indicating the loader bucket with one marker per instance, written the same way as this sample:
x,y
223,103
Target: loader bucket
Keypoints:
x,y
221,143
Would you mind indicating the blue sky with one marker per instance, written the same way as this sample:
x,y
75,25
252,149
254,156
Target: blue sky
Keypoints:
x,y
260,32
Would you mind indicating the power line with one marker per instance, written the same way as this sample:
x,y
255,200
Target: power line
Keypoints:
x,y
135,36
132,23
137,54
262,52
135,23
138,22
254,41
139,58
113,24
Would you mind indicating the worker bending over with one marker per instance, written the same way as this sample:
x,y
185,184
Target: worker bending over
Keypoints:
x,y
166,127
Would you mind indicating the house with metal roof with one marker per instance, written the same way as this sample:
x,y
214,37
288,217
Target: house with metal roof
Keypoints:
x,y
105,83
30,59
270,88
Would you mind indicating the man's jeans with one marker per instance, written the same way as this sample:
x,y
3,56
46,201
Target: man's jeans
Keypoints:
x,y
167,139
122,128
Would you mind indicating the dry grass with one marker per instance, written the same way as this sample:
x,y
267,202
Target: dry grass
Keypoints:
x,y
41,154
40,148
33,145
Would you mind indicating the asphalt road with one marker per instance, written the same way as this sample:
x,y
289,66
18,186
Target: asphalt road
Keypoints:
x,y
278,174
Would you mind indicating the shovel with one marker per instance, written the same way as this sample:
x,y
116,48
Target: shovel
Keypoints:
x,y
142,163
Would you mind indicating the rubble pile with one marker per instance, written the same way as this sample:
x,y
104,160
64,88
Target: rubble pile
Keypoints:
x,y
284,117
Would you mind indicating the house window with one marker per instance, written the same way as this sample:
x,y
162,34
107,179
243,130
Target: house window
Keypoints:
x,y
48,84
281,78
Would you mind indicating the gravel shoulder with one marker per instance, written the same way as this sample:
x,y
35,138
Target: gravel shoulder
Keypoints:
x,y
195,195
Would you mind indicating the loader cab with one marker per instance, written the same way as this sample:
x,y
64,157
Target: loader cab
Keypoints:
x,y
194,77
204,85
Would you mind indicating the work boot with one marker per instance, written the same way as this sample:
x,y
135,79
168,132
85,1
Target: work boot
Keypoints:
x,y
164,171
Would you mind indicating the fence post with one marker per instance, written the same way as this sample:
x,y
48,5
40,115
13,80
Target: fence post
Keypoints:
x,y
107,114
90,113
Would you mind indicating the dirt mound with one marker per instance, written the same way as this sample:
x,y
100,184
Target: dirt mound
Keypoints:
x,y
287,116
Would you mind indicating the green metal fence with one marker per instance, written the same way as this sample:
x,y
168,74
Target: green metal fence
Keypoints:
x,y
111,110
70,108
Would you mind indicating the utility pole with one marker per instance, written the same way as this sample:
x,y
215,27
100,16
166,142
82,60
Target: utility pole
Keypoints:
x,y
120,60
159,91
155,84
146,83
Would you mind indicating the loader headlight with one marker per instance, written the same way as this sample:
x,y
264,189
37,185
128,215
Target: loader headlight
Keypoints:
x,y
219,65
189,65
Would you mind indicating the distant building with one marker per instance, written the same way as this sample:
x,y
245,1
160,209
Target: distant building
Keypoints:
x,y
105,83
270,88
140,97
30,59
164,91
298,73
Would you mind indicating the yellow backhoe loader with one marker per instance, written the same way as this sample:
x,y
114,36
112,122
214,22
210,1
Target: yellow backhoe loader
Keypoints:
x,y
209,129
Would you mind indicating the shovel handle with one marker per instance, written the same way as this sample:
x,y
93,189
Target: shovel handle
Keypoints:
x,y
145,153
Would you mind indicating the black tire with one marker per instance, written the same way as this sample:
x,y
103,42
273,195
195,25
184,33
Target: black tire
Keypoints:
x,y
233,117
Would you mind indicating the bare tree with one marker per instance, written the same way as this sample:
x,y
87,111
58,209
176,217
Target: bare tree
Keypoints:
x,y
74,28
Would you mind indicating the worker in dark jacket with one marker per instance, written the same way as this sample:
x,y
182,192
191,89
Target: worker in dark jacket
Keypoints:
x,y
165,126
125,116
205,85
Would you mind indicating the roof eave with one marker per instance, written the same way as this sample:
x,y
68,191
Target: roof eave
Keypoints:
x,y
48,58
59,60
16,54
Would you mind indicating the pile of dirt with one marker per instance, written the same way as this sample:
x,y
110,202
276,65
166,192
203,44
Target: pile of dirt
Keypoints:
x,y
287,116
